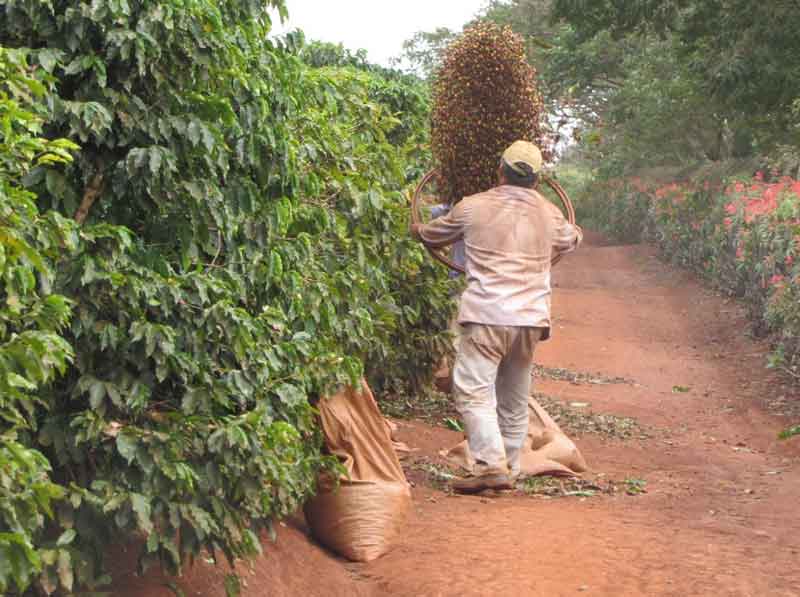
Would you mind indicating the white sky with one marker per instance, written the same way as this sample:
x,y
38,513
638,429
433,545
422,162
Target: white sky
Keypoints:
x,y
378,26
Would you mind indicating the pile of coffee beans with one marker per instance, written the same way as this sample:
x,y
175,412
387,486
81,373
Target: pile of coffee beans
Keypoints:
x,y
485,98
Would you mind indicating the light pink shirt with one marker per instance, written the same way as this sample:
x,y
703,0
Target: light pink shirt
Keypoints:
x,y
511,235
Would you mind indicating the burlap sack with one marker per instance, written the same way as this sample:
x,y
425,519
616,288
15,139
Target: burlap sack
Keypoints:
x,y
401,449
361,519
547,450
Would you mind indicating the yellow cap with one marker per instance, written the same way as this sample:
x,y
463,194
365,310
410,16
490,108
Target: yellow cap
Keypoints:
x,y
523,152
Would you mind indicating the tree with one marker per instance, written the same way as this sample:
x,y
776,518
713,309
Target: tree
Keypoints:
x,y
531,19
422,53
740,52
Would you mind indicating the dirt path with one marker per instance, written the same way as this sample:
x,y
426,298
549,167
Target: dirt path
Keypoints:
x,y
720,515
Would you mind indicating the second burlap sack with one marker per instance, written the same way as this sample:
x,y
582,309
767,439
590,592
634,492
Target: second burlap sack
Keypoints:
x,y
547,450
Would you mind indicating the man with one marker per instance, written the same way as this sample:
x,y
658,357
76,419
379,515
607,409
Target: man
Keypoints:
x,y
510,235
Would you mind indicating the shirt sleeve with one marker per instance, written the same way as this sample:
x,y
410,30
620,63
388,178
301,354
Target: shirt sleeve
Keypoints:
x,y
447,229
566,237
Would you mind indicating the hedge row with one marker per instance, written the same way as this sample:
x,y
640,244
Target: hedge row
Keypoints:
x,y
228,245
743,236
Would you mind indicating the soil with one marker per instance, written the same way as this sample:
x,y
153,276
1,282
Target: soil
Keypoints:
x,y
704,501
290,566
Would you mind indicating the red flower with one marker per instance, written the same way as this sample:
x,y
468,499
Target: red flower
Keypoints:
x,y
775,280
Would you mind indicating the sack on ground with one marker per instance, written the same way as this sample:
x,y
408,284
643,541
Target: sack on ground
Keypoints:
x,y
547,449
401,449
363,516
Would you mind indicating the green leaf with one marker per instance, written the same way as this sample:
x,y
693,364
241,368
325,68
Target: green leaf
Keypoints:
x,y
141,507
233,587
49,58
97,391
66,538
15,380
789,433
194,132
65,574
126,446
155,161
289,394
375,199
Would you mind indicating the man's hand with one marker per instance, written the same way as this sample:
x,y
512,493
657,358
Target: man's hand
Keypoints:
x,y
415,231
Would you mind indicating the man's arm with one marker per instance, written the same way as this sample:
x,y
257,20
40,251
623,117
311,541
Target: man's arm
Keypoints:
x,y
566,237
442,231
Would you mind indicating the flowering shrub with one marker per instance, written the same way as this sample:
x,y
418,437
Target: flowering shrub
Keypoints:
x,y
744,237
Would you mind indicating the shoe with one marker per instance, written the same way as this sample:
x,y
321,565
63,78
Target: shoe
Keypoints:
x,y
471,485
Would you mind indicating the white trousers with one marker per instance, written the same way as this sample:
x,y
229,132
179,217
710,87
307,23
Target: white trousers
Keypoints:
x,y
491,384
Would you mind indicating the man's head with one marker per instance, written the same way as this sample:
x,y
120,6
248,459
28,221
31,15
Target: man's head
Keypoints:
x,y
521,165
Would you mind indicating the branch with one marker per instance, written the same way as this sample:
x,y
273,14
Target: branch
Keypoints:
x,y
90,195
790,372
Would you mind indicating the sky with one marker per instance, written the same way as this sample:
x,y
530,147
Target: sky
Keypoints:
x,y
378,26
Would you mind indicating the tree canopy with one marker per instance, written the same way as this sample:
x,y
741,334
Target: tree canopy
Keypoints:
x,y
630,78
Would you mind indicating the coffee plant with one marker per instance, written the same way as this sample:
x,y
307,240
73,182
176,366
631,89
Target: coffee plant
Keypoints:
x,y
231,239
33,351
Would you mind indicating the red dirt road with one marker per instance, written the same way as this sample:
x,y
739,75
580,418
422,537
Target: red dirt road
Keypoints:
x,y
720,516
